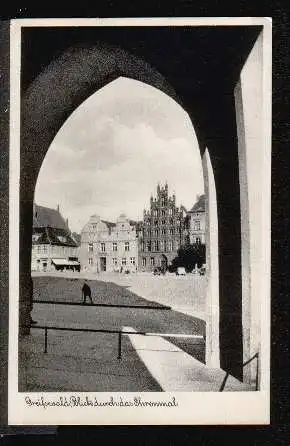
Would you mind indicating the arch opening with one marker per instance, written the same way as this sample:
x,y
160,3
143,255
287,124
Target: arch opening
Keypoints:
x,y
38,104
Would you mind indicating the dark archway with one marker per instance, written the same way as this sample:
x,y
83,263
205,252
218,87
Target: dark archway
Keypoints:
x,y
164,262
206,93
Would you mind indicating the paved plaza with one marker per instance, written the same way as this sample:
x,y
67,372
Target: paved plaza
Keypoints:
x,y
77,361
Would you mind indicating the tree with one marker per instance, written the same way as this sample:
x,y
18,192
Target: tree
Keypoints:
x,y
188,256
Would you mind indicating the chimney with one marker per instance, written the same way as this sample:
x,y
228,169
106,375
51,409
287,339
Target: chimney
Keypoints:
x,y
57,208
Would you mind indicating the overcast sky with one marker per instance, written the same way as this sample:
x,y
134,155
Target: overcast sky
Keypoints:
x,y
110,154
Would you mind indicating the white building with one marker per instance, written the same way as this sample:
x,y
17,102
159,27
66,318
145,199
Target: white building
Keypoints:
x,y
107,246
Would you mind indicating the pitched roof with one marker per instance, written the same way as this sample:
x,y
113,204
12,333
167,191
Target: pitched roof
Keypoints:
x,y
44,217
53,236
76,237
109,223
199,206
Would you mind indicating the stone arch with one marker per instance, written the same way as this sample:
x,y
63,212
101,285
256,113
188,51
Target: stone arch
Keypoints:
x,y
52,97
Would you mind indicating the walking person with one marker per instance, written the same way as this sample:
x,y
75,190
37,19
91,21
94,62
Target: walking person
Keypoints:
x,y
86,292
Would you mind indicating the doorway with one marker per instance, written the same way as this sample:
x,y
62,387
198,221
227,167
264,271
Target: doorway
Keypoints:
x,y
103,263
164,263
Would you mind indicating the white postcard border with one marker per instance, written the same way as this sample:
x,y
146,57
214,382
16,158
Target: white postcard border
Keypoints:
x,y
186,408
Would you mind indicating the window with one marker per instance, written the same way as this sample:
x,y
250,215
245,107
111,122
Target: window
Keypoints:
x,y
44,248
149,246
127,247
165,246
163,231
156,245
197,240
115,261
171,231
156,232
143,246
161,245
196,225
143,261
103,247
169,246
171,221
38,248
163,222
90,261
132,260
170,211
152,261
163,202
114,246
163,213
156,222
155,213
124,261
90,247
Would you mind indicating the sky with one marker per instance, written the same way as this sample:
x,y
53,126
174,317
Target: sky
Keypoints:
x,y
112,151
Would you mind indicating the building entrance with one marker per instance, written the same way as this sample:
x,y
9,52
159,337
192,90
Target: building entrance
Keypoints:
x,y
103,263
164,263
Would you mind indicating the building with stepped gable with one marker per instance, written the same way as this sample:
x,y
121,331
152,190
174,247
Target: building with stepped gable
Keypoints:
x,y
162,231
53,246
111,247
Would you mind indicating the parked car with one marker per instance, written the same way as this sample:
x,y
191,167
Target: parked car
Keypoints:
x,y
202,271
157,271
180,271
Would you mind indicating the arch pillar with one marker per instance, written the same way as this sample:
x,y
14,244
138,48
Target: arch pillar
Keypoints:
x,y
253,169
212,352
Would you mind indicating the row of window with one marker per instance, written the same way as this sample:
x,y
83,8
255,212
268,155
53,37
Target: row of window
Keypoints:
x,y
162,222
162,201
196,225
54,249
163,212
156,232
153,261
104,246
161,245
132,261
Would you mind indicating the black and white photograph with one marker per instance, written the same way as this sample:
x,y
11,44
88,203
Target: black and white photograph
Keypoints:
x,y
140,157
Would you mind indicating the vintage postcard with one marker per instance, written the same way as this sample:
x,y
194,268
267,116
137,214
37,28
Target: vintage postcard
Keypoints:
x,y
140,158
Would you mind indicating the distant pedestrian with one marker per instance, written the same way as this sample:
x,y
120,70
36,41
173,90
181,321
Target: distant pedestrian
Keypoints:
x,y
86,292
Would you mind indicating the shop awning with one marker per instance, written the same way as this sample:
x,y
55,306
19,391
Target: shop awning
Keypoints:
x,y
65,262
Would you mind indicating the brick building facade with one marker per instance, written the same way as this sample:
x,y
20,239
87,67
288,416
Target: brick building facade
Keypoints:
x,y
162,231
